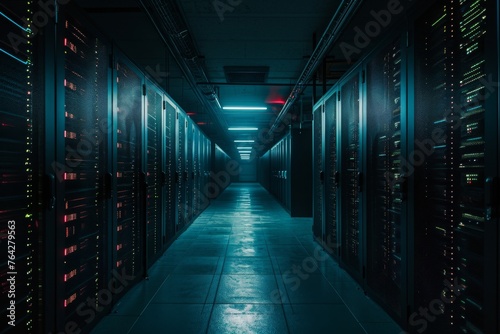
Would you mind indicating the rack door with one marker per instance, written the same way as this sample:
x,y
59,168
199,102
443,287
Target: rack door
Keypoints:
x,y
181,174
456,136
129,233
386,184
170,193
352,179
154,179
318,173
332,176
83,132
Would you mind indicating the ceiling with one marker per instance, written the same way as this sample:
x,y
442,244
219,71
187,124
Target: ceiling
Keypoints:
x,y
251,53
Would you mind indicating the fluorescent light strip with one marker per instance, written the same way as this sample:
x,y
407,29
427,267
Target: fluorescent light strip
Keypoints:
x,y
244,141
244,108
243,148
243,129
245,152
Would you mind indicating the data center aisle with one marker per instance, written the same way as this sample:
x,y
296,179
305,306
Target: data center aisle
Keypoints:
x,y
245,266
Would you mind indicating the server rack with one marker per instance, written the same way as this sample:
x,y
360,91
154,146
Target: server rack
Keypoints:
x,y
81,167
298,175
263,171
318,172
386,184
196,172
170,194
130,184
20,236
289,166
154,173
331,176
326,175
188,206
181,176
206,167
352,176
456,133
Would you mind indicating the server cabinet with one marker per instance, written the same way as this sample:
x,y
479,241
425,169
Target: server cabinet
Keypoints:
x,y
318,172
188,205
182,175
331,175
263,171
207,164
154,177
82,167
352,178
195,174
298,174
456,164
129,233
20,96
386,184
288,169
170,193
203,159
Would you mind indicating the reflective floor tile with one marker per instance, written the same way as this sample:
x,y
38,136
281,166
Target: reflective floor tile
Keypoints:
x,y
247,318
183,289
173,318
247,265
246,289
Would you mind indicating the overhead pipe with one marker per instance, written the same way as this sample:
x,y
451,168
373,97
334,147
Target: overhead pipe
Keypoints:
x,y
330,36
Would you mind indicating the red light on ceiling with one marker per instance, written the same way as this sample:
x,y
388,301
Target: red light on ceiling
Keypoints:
x,y
275,96
276,102
201,123
191,113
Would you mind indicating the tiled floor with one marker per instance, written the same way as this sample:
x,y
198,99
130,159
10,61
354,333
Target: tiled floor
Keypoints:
x,y
245,266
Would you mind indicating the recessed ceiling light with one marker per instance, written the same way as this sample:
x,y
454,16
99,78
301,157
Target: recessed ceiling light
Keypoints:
x,y
243,129
244,141
243,148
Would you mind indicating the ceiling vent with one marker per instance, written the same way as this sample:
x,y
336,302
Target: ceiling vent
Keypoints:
x,y
246,74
